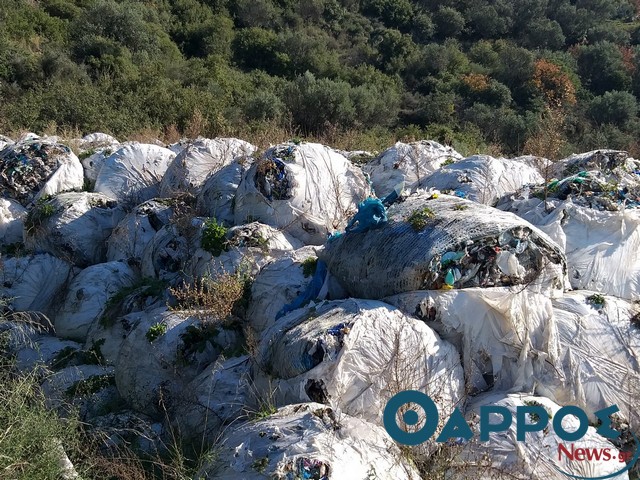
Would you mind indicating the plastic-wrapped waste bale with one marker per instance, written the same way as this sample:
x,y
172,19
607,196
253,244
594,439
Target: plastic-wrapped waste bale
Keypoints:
x,y
12,216
612,162
309,441
601,246
167,254
135,231
503,457
34,283
444,242
199,160
93,160
133,172
75,380
96,140
599,346
279,283
217,196
214,400
247,248
307,190
74,226
162,354
340,353
506,336
482,178
87,296
410,163
43,350
34,167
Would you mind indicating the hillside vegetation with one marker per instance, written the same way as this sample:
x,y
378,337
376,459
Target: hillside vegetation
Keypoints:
x,y
492,75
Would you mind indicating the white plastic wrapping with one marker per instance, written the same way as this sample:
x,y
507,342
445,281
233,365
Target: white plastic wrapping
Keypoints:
x,y
11,221
133,173
319,191
199,160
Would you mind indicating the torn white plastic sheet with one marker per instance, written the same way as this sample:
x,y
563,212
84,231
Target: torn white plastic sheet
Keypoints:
x,y
444,242
11,221
307,190
309,441
199,160
87,296
504,457
602,248
482,178
354,355
217,196
34,282
34,166
279,283
410,163
133,172
507,336
600,355
74,226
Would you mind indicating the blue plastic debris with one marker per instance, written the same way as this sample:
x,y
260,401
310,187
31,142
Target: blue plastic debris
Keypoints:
x,y
311,293
371,214
460,194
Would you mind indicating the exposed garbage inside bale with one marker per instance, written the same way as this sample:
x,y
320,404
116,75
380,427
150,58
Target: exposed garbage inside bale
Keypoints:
x,y
307,190
35,167
217,196
410,163
482,178
538,458
12,216
34,282
87,296
74,226
507,336
601,246
135,231
133,172
338,353
439,242
308,441
199,160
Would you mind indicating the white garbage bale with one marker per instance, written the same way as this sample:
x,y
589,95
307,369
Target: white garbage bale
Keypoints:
x,y
307,190
599,347
217,196
216,399
34,283
601,246
309,441
135,231
410,163
355,354
93,160
482,178
444,242
503,457
12,216
93,141
507,336
44,351
161,355
167,254
198,161
74,226
247,248
87,296
133,173
35,167
62,386
279,283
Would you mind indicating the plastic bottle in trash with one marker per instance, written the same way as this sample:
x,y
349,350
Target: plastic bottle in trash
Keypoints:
x,y
449,278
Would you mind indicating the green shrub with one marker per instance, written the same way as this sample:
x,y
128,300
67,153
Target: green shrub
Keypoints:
x,y
156,330
214,237
309,266
419,219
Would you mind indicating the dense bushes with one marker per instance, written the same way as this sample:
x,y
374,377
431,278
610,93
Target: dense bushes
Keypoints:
x,y
490,68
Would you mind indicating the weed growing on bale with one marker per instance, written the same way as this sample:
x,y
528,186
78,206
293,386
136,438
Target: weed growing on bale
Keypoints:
x,y
596,300
309,266
460,207
214,237
147,287
419,219
156,330
90,385
40,212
